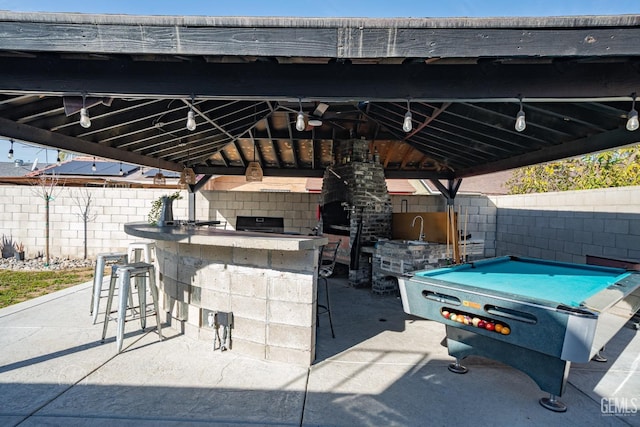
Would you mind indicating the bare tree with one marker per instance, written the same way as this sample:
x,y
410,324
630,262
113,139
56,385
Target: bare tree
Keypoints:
x,y
47,187
86,214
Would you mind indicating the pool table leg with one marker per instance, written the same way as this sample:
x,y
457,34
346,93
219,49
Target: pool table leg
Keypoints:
x,y
457,368
598,357
553,404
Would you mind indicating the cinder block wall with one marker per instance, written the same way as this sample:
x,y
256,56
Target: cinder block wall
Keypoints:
x,y
561,226
297,209
567,226
22,217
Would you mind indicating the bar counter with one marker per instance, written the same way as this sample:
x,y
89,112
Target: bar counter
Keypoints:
x,y
268,281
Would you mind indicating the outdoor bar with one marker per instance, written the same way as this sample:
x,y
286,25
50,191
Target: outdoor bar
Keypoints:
x,y
266,281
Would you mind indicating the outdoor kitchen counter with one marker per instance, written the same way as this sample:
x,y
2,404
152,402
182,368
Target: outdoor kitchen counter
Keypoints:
x,y
268,282
216,237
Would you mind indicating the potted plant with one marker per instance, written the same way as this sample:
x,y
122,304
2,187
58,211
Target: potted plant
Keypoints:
x,y
156,206
19,251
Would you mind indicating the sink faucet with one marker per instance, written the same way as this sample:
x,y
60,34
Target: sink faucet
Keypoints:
x,y
413,224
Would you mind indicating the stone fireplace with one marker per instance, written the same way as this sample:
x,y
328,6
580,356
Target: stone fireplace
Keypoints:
x,y
356,206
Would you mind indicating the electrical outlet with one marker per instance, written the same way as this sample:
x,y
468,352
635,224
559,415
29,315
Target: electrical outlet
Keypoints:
x,y
208,317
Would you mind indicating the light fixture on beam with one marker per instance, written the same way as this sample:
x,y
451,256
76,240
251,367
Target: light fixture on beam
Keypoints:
x,y
120,172
191,117
85,121
632,117
300,125
93,166
58,160
187,175
10,154
254,170
521,123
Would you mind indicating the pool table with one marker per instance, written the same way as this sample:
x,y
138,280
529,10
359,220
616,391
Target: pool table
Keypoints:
x,y
535,315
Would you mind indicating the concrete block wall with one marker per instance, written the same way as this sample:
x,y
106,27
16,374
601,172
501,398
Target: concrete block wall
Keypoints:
x,y
562,226
22,216
271,294
297,209
566,226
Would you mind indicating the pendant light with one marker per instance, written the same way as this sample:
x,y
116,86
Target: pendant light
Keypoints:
x,y
254,170
159,178
632,117
191,117
187,176
300,125
521,123
10,154
407,124
85,121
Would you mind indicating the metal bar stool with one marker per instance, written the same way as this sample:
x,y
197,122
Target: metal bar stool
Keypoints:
x,y
141,251
98,275
326,264
122,274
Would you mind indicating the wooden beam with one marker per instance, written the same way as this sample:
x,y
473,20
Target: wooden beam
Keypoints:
x,y
22,132
330,82
319,38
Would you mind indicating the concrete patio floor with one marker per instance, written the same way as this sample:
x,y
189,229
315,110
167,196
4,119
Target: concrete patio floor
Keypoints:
x,y
384,368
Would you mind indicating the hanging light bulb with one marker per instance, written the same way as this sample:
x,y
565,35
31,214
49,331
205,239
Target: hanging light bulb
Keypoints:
x,y
632,120
10,154
58,161
521,123
191,117
85,121
191,120
407,124
300,122
93,166
300,125
121,172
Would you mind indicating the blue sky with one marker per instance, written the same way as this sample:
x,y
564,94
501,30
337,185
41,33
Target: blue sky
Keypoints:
x,y
306,8
335,8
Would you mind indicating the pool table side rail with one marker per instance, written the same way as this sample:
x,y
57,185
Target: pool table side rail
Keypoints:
x,y
531,323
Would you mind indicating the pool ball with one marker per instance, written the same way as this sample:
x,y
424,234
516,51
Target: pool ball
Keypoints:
x,y
490,326
446,314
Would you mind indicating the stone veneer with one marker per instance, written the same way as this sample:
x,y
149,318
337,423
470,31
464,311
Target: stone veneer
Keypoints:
x,y
272,294
366,195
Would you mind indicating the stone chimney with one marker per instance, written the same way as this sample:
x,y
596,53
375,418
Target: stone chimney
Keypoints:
x,y
356,204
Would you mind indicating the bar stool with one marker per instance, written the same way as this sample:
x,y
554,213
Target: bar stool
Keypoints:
x,y
98,275
141,251
122,274
326,265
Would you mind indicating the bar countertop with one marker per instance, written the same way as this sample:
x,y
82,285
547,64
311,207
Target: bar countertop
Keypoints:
x,y
229,238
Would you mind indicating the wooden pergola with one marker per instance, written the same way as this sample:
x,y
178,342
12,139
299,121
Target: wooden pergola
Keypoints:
x,y
247,79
